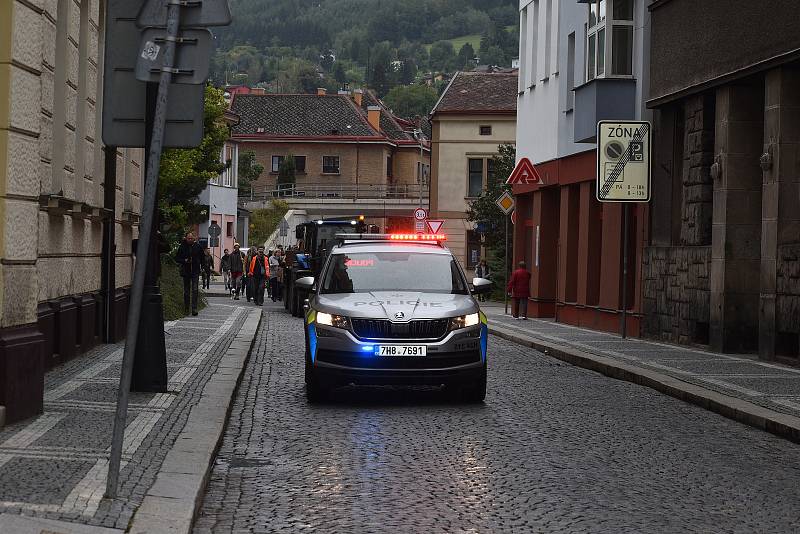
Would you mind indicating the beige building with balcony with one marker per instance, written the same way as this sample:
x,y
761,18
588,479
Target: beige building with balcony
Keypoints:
x,y
474,116
65,243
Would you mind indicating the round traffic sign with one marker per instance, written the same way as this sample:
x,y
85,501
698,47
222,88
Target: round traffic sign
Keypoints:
x,y
614,150
420,214
214,230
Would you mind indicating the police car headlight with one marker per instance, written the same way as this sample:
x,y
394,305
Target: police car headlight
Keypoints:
x,y
464,321
336,321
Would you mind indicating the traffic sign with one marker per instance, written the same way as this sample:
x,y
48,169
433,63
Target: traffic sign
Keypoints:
x,y
419,227
505,202
205,13
420,214
214,230
524,174
435,225
125,98
213,242
623,161
191,56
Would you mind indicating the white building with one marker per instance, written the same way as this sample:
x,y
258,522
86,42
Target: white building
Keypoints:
x,y
222,197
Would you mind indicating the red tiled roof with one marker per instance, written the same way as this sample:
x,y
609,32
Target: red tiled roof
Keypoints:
x,y
480,92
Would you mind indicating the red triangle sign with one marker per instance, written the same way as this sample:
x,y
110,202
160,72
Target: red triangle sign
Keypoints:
x,y
525,174
435,225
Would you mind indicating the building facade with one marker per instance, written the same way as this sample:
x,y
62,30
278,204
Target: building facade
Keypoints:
x,y
474,116
580,62
222,198
722,265
68,208
345,146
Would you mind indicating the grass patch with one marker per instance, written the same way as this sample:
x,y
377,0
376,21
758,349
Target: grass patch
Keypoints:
x,y
172,290
263,222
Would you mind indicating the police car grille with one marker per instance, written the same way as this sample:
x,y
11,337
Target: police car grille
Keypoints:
x,y
381,329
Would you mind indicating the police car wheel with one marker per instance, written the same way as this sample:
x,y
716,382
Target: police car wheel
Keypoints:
x,y
315,392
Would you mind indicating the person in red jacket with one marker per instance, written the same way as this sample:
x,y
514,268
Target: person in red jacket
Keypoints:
x,y
519,287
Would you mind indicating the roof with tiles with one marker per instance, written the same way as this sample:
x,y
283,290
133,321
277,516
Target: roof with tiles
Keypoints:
x,y
480,92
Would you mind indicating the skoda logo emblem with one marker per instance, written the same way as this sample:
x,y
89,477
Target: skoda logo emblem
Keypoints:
x,y
399,316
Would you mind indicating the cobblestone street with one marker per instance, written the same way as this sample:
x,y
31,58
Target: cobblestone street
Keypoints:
x,y
554,449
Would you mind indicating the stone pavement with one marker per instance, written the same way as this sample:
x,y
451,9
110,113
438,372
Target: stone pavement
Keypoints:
x,y
696,375
54,466
555,448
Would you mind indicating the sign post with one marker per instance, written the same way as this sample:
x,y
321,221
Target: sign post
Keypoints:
x,y
506,204
623,175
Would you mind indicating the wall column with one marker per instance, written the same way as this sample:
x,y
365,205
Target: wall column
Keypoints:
x,y
736,226
779,310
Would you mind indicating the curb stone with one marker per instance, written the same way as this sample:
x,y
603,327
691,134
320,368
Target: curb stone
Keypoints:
x,y
783,425
171,504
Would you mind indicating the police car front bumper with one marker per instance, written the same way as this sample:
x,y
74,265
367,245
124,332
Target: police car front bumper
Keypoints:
x,y
339,358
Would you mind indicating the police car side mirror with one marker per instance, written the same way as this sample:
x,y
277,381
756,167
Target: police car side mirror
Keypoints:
x,y
481,286
306,283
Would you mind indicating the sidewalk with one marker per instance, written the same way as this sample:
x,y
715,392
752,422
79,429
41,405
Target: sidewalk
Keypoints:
x,y
761,394
54,467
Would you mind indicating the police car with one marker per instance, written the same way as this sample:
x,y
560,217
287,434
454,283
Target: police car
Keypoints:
x,y
394,309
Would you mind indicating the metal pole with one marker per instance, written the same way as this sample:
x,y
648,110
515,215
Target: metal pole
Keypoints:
x,y
505,269
624,325
143,247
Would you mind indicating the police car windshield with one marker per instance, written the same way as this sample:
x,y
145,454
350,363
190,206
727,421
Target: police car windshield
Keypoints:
x,y
393,271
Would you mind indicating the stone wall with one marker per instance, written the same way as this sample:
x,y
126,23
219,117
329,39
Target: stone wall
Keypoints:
x,y
698,156
675,296
788,297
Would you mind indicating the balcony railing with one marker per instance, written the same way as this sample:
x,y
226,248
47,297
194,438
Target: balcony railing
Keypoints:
x,y
340,191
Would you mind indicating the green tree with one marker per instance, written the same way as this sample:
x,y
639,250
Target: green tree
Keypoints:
x,y
443,55
410,101
485,213
249,171
339,73
263,222
185,173
494,55
466,56
287,172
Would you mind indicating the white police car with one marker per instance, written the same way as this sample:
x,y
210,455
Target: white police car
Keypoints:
x,y
394,309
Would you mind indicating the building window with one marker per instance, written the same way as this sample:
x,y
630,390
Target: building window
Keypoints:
x,y
300,164
523,49
473,249
475,178
276,163
570,71
330,164
486,130
229,229
609,35
389,166
548,37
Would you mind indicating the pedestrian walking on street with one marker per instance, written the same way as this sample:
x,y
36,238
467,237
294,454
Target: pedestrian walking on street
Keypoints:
x,y
225,267
237,268
259,274
248,280
190,258
206,266
482,271
519,287
274,266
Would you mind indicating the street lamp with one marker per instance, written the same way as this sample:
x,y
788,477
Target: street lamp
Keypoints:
x,y
419,136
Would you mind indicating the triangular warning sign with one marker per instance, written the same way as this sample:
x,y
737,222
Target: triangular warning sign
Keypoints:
x,y
435,225
525,173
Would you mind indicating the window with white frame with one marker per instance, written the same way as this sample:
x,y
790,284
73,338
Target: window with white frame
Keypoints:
x,y
609,39
227,174
330,165
276,163
570,71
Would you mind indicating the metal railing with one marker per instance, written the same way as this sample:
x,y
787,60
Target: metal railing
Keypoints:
x,y
340,191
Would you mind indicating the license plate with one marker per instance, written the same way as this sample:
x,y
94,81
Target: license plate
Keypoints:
x,y
401,350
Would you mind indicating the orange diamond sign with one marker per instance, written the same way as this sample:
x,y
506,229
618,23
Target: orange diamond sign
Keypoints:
x,y
505,203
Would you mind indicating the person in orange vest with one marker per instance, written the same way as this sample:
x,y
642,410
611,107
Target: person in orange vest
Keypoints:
x,y
519,287
259,271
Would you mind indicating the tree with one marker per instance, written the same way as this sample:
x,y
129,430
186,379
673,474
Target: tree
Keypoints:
x,y
443,55
339,73
485,213
287,172
410,101
249,171
408,72
185,173
466,56
494,55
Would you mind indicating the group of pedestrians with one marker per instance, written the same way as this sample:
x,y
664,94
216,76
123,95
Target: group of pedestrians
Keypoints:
x,y
194,262
255,274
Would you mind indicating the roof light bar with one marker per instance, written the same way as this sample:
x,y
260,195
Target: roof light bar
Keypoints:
x,y
437,238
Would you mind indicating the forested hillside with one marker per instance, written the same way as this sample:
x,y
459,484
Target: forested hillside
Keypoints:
x,y
299,45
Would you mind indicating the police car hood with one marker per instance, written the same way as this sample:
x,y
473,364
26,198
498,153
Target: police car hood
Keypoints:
x,y
390,304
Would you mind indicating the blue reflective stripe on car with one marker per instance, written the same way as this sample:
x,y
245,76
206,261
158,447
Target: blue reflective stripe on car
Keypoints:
x,y
312,340
484,341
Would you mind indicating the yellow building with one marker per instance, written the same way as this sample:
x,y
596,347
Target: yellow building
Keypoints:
x,y
54,207
475,114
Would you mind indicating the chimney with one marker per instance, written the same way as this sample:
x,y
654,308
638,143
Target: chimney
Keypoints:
x,y
358,96
260,91
374,117
321,91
